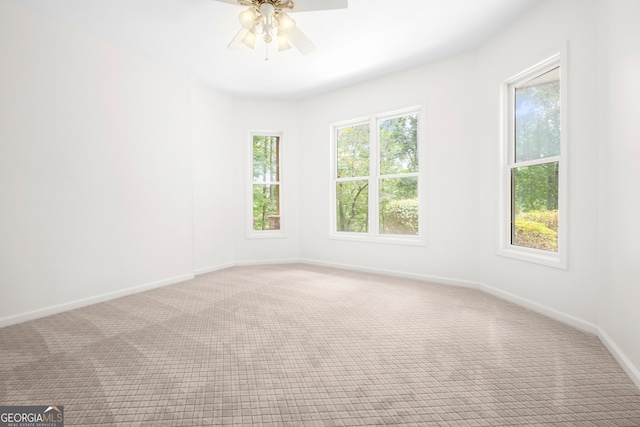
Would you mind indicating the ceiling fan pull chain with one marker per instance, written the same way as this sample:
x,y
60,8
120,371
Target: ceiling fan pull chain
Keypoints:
x,y
266,58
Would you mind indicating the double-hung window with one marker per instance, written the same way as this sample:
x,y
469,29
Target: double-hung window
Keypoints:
x,y
534,170
377,179
266,188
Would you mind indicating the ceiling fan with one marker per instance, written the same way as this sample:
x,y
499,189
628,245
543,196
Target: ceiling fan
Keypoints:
x,y
270,20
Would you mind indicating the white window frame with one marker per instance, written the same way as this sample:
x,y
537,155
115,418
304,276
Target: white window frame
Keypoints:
x,y
548,258
374,235
264,234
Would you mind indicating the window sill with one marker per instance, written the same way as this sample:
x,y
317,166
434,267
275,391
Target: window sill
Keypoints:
x,y
534,256
275,234
391,239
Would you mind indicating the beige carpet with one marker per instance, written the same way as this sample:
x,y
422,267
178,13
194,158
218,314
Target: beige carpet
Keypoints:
x,y
303,345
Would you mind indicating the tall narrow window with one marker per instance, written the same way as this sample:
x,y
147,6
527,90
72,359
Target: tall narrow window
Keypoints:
x,y
376,178
535,164
266,191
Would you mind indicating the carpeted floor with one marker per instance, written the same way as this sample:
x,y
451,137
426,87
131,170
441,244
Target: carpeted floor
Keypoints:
x,y
304,345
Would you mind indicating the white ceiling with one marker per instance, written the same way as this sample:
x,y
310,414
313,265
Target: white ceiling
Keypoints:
x,y
369,39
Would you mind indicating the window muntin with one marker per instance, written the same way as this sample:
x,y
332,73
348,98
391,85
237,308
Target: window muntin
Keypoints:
x,y
266,193
376,178
534,199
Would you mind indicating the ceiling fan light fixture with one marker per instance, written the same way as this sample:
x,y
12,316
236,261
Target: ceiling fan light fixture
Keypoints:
x,y
249,40
247,18
283,43
286,24
267,10
269,20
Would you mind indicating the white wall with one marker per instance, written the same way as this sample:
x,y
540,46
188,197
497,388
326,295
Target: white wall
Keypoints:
x,y
533,38
619,313
213,192
447,89
95,168
260,115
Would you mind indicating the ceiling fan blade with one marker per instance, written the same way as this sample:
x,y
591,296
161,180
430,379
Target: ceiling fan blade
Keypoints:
x,y
236,43
301,42
311,5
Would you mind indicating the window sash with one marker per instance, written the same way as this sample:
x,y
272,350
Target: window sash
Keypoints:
x,y
373,233
506,247
273,181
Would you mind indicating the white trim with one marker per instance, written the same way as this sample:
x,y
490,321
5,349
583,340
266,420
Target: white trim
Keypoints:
x,y
276,261
250,233
60,308
373,235
395,239
395,273
552,313
632,371
507,163
201,271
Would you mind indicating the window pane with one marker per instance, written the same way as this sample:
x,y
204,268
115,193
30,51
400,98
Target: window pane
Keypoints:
x,y
534,207
352,206
537,109
266,207
353,151
399,206
266,158
399,145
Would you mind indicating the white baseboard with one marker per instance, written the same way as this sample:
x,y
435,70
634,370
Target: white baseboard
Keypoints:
x,y
396,273
268,261
48,311
575,322
631,370
206,270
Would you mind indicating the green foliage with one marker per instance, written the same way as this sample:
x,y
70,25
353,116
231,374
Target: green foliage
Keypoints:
x,y
548,218
352,206
353,151
398,155
401,217
536,187
266,176
399,145
399,205
266,201
266,152
537,115
535,235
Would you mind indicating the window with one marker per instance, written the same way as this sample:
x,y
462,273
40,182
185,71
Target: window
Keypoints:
x,y
376,178
265,184
534,206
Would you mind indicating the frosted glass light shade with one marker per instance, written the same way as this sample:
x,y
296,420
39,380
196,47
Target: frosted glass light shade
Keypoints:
x,y
250,40
247,19
283,44
286,24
